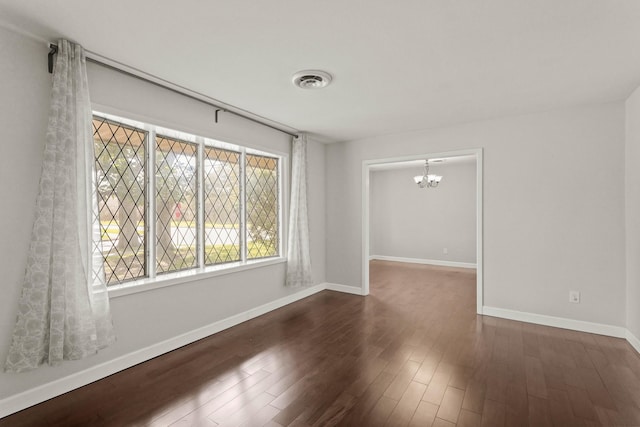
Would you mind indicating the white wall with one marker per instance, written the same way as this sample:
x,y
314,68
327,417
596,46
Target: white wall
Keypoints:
x,y
632,211
407,221
553,207
142,319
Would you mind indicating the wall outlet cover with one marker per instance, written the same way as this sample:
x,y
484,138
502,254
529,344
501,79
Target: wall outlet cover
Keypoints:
x,y
574,297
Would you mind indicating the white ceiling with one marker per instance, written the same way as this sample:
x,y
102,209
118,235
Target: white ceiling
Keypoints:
x,y
397,66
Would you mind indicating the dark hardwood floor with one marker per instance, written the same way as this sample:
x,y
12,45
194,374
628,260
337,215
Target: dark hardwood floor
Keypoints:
x,y
412,353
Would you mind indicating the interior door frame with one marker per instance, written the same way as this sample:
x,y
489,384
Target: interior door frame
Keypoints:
x,y
366,169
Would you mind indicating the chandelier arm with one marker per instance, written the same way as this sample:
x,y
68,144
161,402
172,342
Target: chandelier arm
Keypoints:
x,y
425,182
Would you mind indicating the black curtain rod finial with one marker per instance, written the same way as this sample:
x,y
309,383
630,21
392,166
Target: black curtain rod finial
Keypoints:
x,y
217,111
53,50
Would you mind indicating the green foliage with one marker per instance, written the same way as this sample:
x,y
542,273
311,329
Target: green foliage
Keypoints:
x,y
214,254
175,176
118,167
262,205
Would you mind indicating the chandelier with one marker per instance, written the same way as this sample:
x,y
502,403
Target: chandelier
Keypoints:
x,y
425,180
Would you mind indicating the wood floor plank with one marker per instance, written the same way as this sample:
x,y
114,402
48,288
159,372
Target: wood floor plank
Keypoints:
x,y
474,396
367,375
460,377
244,412
437,387
595,388
413,352
380,412
609,417
469,419
428,368
402,380
451,404
581,404
560,408
424,415
517,404
202,412
554,376
262,417
332,390
360,411
536,384
419,353
338,409
406,407
493,414
183,409
539,414
497,382
531,345
439,422
247,397
305,382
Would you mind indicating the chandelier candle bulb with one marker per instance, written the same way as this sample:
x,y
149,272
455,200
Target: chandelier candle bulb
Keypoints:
x,y
427,180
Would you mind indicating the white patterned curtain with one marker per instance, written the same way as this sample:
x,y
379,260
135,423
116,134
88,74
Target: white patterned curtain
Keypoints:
x,y
64,311
298,256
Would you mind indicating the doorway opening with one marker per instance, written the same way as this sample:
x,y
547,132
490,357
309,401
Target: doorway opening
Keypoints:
x,y
370,165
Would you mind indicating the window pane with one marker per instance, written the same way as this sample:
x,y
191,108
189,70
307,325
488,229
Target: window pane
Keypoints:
x,y
176,201
221,206
120,179
262,206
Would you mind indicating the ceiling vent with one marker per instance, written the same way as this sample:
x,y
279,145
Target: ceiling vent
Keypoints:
x,y
311,79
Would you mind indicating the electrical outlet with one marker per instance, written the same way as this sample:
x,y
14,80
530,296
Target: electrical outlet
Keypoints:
x,y
445,251
574,297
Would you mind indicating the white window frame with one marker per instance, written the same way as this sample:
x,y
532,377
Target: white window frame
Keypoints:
x,y
157,281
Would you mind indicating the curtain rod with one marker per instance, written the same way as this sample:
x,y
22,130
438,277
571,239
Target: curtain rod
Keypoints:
x,y
169,86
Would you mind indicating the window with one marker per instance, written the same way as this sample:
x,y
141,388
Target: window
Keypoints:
x,y
170,201
221,206
120,177
176,207
262,206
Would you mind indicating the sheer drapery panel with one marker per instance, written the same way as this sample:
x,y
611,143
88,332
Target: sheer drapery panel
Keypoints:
x,y
63,311
298,252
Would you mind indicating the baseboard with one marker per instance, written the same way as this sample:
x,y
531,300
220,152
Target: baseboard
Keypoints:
x,y
633,340
424,261
343,288
60,386
558,322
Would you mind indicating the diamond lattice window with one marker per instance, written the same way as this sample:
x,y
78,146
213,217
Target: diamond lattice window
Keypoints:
x,y
176,205
120,177
221,206
261,206
231,216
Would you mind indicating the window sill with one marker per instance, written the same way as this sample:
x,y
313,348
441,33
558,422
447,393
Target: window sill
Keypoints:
x,y
180,277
